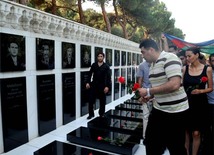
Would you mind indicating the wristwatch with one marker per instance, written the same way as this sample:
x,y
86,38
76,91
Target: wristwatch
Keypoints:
x,y
148,92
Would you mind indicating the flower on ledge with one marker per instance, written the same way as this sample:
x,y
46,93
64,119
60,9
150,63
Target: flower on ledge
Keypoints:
x,y
131,86
117,141
203,79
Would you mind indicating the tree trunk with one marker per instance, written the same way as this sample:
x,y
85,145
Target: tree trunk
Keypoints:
x,y
82,18
53,10
105,17
122,23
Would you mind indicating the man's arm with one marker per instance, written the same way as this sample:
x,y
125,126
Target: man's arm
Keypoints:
x,y
165,43
168,87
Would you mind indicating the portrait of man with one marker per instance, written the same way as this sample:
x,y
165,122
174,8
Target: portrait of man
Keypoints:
x,y
123,58
129,58
68,60
85,56
116,58
109,57
45,54
12,52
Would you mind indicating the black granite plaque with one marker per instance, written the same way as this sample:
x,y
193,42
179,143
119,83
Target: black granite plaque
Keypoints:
x,y
123,58
134,59
129,61
109,57
123,85
61,148
85,56
116,84
117,124
44,54
46,103
131,101
129,107
69,97
12,52
125,115
116,58
68,55
84,93
14,112
106,140
139,59
134,69
109,94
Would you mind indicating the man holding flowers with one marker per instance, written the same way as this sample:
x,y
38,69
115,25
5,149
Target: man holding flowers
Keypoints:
x,y
166,127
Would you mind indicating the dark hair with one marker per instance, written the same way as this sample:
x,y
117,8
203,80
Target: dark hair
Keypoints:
x,y
147,43
100,52
196,50
211,55
181,53
173,46
13,41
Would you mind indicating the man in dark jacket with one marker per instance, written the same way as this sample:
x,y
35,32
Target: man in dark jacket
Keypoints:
x,y
100,85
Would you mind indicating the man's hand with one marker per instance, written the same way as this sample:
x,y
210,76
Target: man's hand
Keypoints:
x,y
142,92
87,86
163,37
106,89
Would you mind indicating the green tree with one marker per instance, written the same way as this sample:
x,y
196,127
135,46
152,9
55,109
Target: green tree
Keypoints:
x,y
105,17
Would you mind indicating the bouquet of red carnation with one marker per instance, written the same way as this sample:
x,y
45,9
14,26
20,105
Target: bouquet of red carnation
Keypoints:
x,y
131,86
118,141
203,79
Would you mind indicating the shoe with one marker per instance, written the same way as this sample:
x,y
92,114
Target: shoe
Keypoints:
x,y
89,117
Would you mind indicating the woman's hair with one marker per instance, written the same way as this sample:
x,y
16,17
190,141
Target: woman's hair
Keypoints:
x,y
196,50
211,55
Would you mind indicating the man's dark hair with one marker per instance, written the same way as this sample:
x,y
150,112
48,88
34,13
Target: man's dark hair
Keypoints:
x,y
147,43
173,46
100,52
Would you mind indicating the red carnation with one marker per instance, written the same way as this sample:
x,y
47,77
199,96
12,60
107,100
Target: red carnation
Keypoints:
x,y
204,79
121,79
136,86
99,138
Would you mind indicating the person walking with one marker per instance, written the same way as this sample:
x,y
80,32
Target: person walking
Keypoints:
x,y
166,124
100,85
210,135
197,81
143,80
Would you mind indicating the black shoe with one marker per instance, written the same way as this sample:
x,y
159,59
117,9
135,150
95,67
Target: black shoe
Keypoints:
x,y
89,117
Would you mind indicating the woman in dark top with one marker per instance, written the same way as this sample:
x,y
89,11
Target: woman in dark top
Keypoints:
x,y
197,81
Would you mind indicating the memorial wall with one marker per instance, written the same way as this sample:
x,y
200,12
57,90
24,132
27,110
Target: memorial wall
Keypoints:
x,y
44,60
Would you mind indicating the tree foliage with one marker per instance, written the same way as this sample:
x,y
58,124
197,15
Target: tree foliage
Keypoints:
x,y
131,19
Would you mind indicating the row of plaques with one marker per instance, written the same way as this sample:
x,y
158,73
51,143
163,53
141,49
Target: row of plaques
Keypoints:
x,y
13,54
